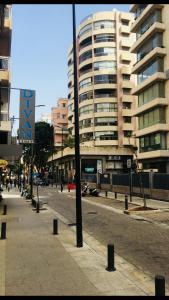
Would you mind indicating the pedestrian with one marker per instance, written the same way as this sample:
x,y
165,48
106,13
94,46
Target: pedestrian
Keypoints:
x,y
8,186
11,182
15,181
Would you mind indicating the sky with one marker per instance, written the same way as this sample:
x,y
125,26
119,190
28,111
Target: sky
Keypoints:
x,y
41,36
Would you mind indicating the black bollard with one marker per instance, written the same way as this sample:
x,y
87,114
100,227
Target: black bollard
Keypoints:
x,y
55,226
105,193
3,230
126,202
5,209
37,207
115,194
110,249
159,285
61,187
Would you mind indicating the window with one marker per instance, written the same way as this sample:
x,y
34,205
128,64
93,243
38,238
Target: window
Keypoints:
x,y
126,91
106,135
3,63
85,29
126,105
125,34
155,41
86,55
106,107
63,104
154,91
156,66
86,82
125,22
85,123
86,109
104,93
152,117
64,116
153,17
106,121
127,119
104,65
127,133
86,96
155,141
104,51
126,77
86,43
104,24
99,79
109,37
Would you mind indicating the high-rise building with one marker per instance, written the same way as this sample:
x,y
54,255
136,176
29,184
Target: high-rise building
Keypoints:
x,y
104,91
151,26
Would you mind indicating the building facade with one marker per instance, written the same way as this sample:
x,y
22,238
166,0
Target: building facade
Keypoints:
x,y
151,26
104,91
7,151
59,120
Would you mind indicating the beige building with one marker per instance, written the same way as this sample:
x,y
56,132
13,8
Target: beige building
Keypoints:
x,y
151,26
7,151
104,92
59,120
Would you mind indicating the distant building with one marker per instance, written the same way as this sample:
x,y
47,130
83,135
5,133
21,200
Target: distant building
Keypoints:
x,y
59,119
46,118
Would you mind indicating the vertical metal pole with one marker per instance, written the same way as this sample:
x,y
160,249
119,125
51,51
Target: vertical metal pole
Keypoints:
x,y
3,230
79,235
52,167
61,175
31,174
159,285
130,185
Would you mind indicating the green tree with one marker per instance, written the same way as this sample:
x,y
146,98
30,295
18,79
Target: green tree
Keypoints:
x,y
44,144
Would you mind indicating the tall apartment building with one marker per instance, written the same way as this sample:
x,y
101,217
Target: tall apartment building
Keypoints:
x,y
59,119
151,26
7,151
104,91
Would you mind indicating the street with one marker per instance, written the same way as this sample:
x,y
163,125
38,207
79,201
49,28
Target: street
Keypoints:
x,y
141,243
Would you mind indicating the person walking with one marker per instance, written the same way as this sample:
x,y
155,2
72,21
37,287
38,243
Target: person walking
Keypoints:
x,y
8,186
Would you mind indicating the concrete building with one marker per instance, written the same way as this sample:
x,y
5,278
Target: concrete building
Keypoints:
x,y
104,91
151,26
59,120
7,151
46,118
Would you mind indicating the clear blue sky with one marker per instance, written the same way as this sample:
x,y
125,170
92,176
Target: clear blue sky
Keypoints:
x,y
41,36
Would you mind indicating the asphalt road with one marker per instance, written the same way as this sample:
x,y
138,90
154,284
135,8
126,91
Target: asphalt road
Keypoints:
x,y
141,243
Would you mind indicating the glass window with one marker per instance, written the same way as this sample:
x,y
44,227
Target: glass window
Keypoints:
x,y
153,17
85,29
104,24
154,91
85,55
106,135
106,121
152,117
86,82
106,107
104,65
104,51
108,37
86,109
156,66
86,96
99,79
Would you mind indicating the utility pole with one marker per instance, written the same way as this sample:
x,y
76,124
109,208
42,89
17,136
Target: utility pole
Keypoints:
x,y
79,235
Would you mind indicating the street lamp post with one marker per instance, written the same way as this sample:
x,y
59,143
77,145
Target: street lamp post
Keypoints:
x,y
79,236
61,175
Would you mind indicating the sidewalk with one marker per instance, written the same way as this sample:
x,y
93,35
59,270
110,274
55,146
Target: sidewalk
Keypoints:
x,y
33,261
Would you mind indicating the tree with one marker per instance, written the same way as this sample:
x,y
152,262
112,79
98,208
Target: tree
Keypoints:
x,y
69,142
44,144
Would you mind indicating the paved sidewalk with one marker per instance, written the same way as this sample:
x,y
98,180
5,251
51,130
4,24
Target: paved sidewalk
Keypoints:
x,y
33,261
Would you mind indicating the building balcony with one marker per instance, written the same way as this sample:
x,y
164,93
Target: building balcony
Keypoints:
x,y
126,42
152,129
125,70
144,15
87,129
128,141
126,56
105,86
127,84
104,44
86,74
150,105
156,27
85,62
104,31
106,143
86,116
105,114
105,128
128,126
156,52
158,76
85,36
109,57
102,99
127,112
127,98
124,29
153,154
85,49
86,102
